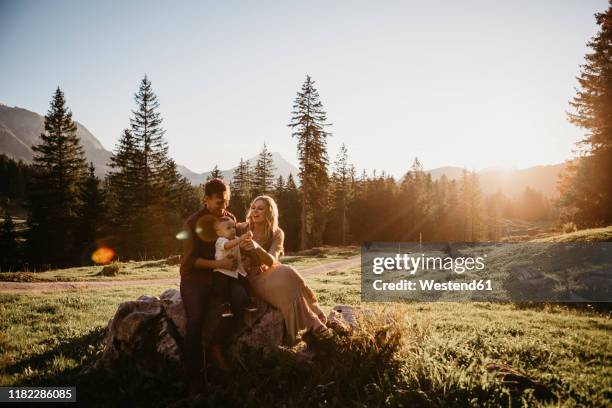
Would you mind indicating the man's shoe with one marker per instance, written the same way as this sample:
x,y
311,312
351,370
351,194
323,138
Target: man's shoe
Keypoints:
x,y
226,310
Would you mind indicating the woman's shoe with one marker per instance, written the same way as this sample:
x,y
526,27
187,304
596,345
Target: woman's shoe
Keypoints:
x,y
250,306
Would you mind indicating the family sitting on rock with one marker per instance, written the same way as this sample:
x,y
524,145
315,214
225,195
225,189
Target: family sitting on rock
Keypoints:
x,y
225,262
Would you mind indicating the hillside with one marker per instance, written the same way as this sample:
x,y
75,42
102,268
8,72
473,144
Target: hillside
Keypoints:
x,y
20,129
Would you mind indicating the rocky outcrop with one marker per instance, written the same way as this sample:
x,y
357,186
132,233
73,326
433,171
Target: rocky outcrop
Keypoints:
x,y
150,330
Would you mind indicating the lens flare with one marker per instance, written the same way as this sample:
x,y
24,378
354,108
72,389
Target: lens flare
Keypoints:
x,y
205,228
103,255
182,235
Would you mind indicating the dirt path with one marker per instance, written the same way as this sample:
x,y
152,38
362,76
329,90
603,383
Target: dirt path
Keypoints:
x,y
25,287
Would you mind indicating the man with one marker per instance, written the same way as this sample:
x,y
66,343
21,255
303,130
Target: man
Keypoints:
x,y
196,269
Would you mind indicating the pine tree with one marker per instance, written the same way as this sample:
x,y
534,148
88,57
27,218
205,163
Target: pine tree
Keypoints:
x,y
91,211
9,256
145,127
123,186
586,190
289,213
215,173
308,122
471,205
341,190
241,189
180,194
279,188
144,174
59,164
263,173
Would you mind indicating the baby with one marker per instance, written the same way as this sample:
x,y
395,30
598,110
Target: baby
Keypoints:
x,y
231,285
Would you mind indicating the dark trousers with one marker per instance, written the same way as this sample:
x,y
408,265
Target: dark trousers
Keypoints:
x,y
232,290
198,299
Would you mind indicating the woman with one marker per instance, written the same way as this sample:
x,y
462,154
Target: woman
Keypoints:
x,y
278,284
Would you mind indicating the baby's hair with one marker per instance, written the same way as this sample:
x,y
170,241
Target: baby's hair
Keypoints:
x,y
221,220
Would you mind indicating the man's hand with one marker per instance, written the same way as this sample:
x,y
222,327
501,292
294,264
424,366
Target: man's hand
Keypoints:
x,y
227,263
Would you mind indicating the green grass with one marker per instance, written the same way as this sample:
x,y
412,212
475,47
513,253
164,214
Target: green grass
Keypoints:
x,y
588,235
158,269
410,354
127,271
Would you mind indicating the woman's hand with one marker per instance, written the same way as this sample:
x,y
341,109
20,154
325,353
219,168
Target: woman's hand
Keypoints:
x,y
248,244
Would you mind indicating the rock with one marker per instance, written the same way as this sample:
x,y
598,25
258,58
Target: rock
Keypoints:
x,y
173,307
342,319
151,329
110,270
148,298
266,334
129,332
132,317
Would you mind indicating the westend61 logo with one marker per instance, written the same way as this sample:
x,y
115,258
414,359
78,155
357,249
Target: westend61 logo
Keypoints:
x,y
528,271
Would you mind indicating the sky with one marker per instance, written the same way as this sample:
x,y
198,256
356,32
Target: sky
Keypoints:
x,y
476,84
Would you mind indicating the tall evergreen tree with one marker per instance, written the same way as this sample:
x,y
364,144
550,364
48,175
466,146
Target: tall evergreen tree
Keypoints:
x,y
215,173
308,122
123,186
279,188
90,213
144,173
586,190
180,195
59,164
471,206
341,194
9,250
146,128
241,188
289,213
263,173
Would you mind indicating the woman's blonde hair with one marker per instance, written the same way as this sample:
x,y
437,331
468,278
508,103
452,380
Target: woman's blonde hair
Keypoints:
x,y
271,215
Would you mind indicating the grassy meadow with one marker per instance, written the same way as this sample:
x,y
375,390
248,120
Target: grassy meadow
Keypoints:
x,y
409,354
162,269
